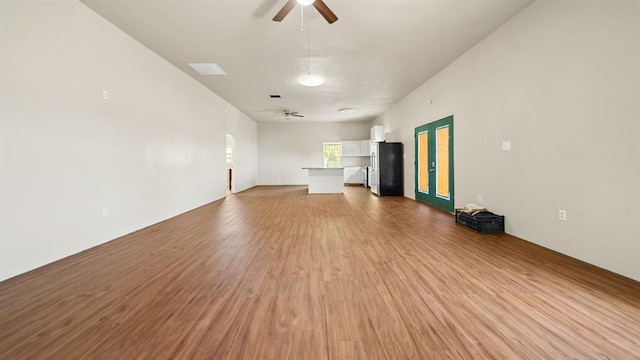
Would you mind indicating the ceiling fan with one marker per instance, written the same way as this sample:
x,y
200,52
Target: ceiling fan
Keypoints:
x,y
288,114
322,8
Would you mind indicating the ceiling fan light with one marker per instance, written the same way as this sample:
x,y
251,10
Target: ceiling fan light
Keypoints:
x,y
311,80
305,2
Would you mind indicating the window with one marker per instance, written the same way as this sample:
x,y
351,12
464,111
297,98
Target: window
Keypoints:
x,y
229,152
229,156
332,152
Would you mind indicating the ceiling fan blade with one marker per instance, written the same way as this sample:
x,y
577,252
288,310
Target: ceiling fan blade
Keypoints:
x,y
324,10
297,115
285,10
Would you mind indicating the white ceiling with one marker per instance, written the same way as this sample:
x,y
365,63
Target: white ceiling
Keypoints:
x,y
374,55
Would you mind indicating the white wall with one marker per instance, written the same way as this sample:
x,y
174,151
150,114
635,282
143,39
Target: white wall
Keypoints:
x,y
561,80
284,148
245,163
153,150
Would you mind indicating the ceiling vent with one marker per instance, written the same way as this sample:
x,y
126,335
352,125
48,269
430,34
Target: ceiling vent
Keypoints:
x,y
207,68
275,96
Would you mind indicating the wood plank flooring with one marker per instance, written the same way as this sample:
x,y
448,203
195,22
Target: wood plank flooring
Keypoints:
x,y
275,273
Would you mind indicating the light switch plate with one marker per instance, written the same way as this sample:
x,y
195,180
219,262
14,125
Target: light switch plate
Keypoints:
x,y
506,145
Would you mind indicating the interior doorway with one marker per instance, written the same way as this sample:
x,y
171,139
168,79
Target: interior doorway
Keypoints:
x,y
230,152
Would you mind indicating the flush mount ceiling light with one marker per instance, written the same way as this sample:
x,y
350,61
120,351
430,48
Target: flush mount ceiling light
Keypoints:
x,y
305,2
311,80
346,110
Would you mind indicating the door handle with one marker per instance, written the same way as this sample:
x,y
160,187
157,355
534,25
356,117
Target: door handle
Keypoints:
x,y
432,166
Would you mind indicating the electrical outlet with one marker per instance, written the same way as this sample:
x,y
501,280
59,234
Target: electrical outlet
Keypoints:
x,y
562,215
479,197
105,211
105,94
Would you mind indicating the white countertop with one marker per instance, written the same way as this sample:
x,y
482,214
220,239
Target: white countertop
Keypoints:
x,y
323,168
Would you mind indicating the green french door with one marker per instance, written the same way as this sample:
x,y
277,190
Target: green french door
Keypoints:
x,y
434,164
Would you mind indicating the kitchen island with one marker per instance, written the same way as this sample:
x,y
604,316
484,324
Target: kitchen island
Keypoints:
x,y
325,180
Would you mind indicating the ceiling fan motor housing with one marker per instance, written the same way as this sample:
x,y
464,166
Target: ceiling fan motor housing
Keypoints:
x,y
322,8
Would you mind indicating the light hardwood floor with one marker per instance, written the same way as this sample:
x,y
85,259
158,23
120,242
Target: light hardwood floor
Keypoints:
x,y
274,273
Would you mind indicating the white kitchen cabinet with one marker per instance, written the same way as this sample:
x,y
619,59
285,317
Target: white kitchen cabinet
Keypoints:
x,y
365,148
353,174
355,148
351,148
377,133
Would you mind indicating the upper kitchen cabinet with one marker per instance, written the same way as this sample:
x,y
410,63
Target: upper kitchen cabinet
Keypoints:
x,y
377,133
355,148
350,148
365,147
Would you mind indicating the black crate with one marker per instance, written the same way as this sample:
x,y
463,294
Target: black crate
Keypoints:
x,y
483,222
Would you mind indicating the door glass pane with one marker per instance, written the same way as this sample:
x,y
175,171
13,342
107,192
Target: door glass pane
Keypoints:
x,y
442,162
423,156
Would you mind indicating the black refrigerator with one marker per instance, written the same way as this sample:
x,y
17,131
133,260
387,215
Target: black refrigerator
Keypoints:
x,y
387,169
